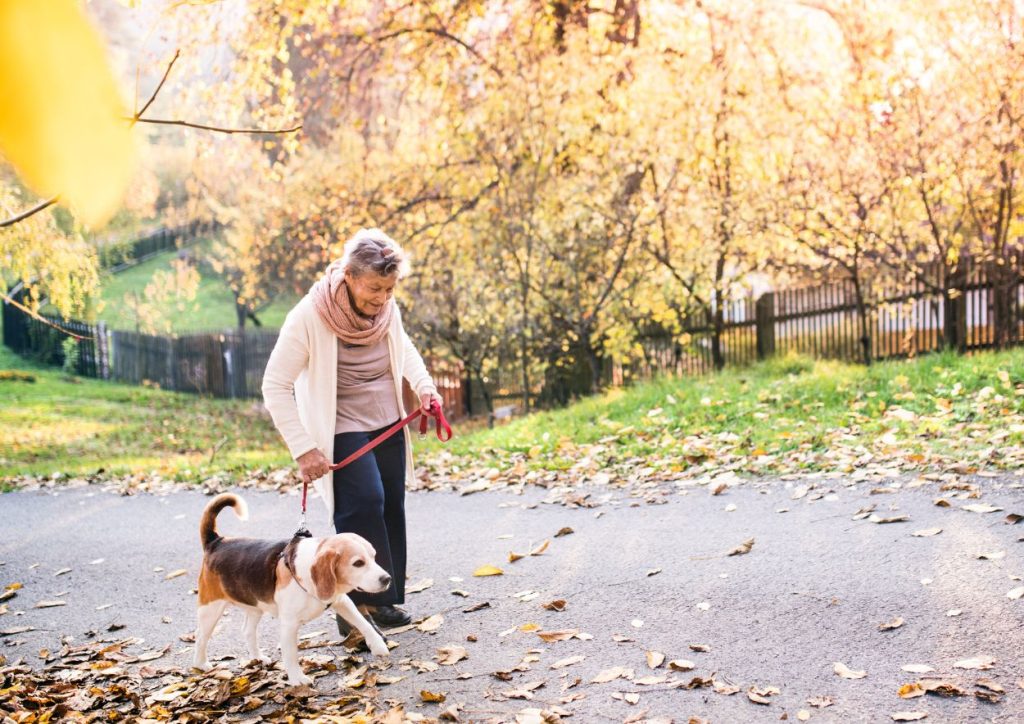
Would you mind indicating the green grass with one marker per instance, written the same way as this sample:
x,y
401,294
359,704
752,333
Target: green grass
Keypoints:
x,y
792,413
213,308
79,427
781,409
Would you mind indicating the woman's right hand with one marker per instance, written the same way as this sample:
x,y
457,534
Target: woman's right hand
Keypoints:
x,y
313,465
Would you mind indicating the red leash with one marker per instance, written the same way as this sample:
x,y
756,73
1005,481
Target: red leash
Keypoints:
x,y
440,425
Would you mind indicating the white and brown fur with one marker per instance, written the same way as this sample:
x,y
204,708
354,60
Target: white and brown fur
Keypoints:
x,y
295,580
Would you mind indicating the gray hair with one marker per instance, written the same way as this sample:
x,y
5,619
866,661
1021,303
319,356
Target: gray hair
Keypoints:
x,y
371,250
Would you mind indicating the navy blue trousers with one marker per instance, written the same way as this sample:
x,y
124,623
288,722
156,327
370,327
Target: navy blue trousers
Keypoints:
x,y
369,499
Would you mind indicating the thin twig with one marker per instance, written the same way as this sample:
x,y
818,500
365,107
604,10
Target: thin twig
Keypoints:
x,y
25,214
138,115
189,124
35,315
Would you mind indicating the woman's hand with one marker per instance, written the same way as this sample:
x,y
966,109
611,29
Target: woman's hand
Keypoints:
x,y
426,399
313,465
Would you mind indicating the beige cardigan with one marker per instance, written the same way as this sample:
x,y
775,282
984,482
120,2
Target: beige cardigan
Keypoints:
x,y
300,385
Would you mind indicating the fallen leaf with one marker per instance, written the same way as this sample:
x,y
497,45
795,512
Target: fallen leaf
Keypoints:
x,y
650,680
450,655
990,685
16,630
719,489
821,702
636,623
979,662
564,531
1014,518
954,612
942,688
632,698
981,508
994,556
908,715
431,697
420,586
1016,593
488,571
911,691
927,532
892,519
558,635
846,672
653,572
556,605
742,548
175,574
704,606
681,665
760,694
61,572
50,604
701,648
618,672
477,607
562,663
895,623
430,624
655,659
917,668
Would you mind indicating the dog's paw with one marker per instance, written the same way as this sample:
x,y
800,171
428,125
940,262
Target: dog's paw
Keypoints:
x,y
378,647
202,665
299,679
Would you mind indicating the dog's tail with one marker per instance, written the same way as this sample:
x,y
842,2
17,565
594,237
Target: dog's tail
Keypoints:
x,y
208,525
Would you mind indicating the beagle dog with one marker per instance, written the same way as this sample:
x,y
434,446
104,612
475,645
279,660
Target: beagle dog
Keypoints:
x,y
295,580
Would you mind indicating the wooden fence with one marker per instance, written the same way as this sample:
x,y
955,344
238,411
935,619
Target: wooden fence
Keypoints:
x,y
976,305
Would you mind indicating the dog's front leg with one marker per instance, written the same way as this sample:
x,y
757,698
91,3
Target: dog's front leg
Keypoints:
x,y
344,607
290,651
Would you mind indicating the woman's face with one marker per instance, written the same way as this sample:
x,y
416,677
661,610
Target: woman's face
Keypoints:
x,y
370,291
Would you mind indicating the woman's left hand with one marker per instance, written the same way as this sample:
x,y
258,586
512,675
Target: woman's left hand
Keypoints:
x,y
426,399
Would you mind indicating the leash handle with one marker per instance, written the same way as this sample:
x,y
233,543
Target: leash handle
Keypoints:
x,y
440,426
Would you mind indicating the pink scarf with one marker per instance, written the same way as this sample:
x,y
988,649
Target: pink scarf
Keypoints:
x,y
330,297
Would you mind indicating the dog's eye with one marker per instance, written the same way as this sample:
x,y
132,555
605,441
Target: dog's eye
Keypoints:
x,y
359,564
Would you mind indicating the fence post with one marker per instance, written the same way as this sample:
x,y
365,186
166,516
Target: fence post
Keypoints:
x,y
764,325
954,307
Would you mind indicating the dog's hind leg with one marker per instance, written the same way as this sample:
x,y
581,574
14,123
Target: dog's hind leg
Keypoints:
x,y
252,621
209,615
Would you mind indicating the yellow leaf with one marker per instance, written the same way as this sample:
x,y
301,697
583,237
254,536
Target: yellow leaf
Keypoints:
x,y
434,698
488,571
61,120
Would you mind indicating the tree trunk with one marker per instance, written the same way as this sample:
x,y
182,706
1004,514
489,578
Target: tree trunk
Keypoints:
x,y
718,319
862,315
241,313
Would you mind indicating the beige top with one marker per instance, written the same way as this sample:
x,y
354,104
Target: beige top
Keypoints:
x,y
300,385
366,388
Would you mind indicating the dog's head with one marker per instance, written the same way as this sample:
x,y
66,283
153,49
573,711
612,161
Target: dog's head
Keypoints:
x,y
345,562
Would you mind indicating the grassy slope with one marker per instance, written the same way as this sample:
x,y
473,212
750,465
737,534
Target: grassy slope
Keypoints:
x,y
782,408
78,426
963,407
213,308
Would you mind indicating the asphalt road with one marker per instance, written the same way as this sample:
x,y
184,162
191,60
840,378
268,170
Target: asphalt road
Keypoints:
x,y
812,592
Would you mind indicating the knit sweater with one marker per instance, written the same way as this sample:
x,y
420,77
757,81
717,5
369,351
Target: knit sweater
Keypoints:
x,y
300,385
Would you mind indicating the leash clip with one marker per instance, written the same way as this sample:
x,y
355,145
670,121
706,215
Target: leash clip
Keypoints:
x,y
303,531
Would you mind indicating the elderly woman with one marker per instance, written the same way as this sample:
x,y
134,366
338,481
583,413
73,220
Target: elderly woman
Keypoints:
x,y
333,382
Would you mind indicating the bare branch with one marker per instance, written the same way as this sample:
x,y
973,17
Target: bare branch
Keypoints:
x,y
25,214
138,115
38,317
218,129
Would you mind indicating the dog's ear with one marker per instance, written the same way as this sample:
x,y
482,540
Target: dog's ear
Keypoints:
x,y
325,572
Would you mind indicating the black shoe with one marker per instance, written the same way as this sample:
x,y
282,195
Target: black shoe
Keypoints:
x,y
344,629
390,617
